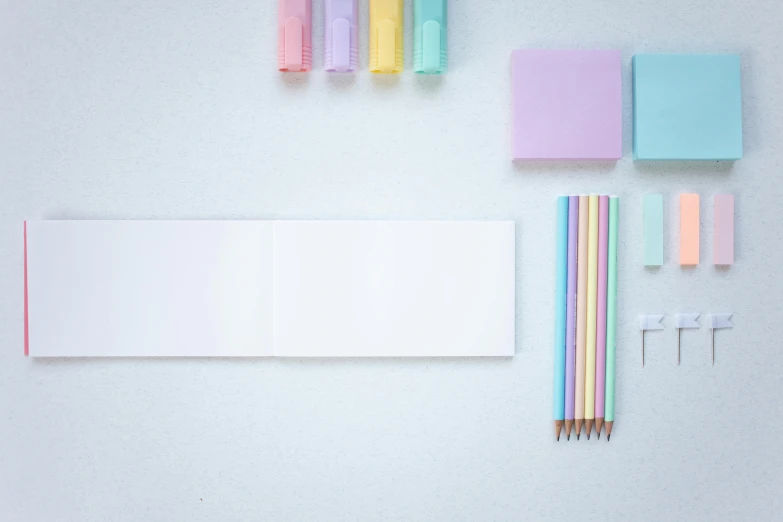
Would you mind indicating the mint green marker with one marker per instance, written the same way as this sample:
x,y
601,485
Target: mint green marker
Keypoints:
x,y
611,313
429,36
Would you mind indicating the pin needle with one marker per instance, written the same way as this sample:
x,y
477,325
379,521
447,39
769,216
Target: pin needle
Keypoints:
x,y
642,348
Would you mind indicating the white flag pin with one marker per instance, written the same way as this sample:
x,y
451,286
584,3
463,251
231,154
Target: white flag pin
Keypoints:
x,y
719,321
649,322
684,321
687,320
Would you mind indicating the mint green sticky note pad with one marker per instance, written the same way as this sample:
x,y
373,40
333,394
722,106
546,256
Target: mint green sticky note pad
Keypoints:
x,y
687,107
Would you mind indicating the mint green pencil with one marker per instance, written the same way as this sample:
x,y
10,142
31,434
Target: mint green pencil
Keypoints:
x,y
611,313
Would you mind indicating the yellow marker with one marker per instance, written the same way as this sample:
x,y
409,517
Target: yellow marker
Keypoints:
x,y
592,310
386,40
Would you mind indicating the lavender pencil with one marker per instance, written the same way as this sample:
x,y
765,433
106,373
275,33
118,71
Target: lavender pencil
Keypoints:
x,y
573,234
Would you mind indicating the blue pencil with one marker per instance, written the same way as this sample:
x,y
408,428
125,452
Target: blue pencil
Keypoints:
x,y
561,270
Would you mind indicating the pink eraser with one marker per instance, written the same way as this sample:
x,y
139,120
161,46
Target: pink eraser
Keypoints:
x,y
341,35
724,229
567,105
294,37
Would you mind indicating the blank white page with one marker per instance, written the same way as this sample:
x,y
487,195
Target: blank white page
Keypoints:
x,y
149,288
394,288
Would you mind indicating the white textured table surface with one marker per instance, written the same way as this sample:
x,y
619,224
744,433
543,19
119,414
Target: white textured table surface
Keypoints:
x,y
169,109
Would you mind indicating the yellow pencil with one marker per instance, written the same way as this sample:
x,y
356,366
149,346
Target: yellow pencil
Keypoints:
x,y
592,309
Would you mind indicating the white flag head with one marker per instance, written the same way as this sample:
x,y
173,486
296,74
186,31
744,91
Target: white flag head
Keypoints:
x,y
687,320
721,321
650,322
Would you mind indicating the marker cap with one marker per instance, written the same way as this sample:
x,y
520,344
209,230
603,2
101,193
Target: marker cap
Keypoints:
x,y
429,36
294,37
386,40
341,35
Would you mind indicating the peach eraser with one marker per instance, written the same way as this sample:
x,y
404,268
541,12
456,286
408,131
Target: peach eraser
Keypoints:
x,y
689,229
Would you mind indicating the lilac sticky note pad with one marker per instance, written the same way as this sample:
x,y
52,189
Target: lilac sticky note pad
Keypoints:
x,y
567,104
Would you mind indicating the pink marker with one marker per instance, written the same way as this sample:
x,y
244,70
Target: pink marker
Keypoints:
x,y
341,35
295,38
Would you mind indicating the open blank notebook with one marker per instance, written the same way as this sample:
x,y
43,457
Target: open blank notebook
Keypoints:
x,y
269,288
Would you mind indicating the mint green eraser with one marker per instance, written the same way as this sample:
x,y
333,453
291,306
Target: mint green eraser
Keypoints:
x,y
653,230
687,107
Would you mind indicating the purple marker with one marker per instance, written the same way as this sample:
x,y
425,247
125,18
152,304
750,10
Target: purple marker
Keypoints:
x,y
600,335
341,35
573,233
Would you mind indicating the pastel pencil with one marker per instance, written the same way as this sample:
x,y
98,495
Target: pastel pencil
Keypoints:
x,y
561,275
573,234
581,317
611,312
600,336
592,290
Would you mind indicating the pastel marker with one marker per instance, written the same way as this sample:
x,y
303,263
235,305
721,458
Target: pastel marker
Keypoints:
x,y
386,36
294,36
341,35
429,36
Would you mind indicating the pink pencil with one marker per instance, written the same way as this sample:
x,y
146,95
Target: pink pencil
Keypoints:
x,y
600,337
